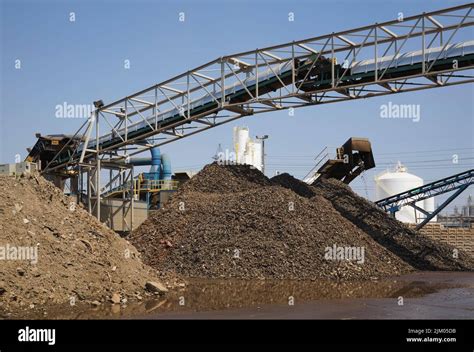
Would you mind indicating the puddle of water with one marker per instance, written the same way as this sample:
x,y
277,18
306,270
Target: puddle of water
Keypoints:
x,y
217,295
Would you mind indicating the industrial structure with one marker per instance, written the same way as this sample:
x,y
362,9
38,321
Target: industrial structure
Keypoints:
x,y
457,183
17,169
429,50
351,159
146,191
399,180
461,216
247,150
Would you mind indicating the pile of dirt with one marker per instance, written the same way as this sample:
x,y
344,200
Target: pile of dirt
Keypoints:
x,y
215,178
414,248
297,186
52,252
231,221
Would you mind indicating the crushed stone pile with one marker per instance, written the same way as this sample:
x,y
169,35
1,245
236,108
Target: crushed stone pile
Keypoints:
x,y
53,252
299,187
414,248
232,222
215,178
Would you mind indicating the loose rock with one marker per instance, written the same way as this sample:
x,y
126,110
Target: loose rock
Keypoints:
x,y
115,298
158,287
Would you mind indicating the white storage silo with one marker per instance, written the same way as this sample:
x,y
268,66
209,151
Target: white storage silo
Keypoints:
x,y
248,154
429,205
241,137
247,151
257,155
390,183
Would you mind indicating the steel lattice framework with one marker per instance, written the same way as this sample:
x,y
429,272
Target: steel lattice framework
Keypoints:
x,y
301,73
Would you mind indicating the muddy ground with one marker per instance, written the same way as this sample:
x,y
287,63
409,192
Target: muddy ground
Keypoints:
x,y
426,295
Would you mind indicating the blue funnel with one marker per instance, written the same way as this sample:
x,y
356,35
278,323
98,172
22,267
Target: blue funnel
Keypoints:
x,y
166,167
155,168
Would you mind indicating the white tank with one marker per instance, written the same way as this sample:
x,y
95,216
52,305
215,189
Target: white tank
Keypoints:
x,y
241,137
390,183
257,155
429,205
248,153
247,150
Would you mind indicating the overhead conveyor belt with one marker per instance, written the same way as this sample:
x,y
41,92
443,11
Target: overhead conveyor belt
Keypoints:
x,y
457,183
320,75
429,50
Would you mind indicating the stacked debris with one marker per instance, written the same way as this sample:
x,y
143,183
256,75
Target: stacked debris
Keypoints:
x,y
214,228
231,221
52,251
216,178
414,248
299,187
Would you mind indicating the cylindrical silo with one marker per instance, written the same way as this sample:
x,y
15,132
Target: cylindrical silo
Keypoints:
x,y
248,152
390,183
241,137
429,206
257,155
166,167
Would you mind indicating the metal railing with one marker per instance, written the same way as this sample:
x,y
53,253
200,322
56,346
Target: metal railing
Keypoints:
x,y
144,185
154,185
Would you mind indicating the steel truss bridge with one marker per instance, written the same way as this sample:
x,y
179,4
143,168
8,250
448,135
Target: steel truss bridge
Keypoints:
x,y
457,183
429,50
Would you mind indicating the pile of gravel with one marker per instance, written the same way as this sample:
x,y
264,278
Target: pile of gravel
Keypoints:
x,y
230,221
233,222
299,187
215,178
67,254
413,247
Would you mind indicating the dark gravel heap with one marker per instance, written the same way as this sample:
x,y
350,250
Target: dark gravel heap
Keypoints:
x,y
226,223
215,178
233,222
299,187
414,248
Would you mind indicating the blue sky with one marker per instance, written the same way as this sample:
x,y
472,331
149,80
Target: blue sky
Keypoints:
x,y
78,62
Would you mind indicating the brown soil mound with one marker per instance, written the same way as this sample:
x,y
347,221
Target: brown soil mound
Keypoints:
x,y
78,258
215,178
297,186
414,248
257,231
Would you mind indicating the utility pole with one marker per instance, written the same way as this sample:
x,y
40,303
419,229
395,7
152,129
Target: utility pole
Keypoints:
x,y
262,139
